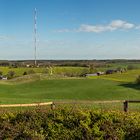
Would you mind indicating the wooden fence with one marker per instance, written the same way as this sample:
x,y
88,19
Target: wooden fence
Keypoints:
x,y
28,105
124,102
129,101
53,104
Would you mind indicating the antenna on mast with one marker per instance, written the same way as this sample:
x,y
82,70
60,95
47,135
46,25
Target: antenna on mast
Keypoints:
x,y
35,36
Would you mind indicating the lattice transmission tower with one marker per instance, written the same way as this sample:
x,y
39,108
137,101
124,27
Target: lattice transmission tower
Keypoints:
x,y
35,36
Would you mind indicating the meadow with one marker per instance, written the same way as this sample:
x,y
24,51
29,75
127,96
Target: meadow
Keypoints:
x,y
43,87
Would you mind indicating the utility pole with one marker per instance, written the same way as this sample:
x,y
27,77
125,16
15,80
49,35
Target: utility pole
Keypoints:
x,y
35,36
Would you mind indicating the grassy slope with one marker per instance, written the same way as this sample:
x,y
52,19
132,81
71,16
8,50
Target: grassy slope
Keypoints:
x,y
87,89
107,87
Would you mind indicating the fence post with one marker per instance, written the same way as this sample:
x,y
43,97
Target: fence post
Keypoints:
x,y
125,103
53,106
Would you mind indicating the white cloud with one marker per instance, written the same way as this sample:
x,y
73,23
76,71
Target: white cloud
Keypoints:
x,y
113,25
120,24
63,30
91,28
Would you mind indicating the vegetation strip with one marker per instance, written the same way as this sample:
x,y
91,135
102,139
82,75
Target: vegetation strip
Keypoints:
x,y
69,124
26,105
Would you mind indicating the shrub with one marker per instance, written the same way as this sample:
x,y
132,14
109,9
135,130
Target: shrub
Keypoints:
x,y
119,68
70,71
131,67
84,72
92,69
46,71
24,73
1,73
138,80
31,71
10,74
67,124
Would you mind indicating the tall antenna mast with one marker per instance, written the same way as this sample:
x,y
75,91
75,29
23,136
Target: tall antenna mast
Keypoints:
x,y
35,35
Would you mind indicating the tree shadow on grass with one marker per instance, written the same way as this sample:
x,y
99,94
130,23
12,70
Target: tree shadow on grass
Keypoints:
x,y
131,85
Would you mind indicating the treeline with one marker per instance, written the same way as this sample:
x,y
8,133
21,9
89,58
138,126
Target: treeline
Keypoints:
x,y
76,63
41,63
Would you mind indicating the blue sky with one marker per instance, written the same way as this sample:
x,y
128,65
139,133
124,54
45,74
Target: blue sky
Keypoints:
x,y
70,29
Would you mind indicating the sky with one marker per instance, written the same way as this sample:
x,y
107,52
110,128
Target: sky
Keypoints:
x,y
70,29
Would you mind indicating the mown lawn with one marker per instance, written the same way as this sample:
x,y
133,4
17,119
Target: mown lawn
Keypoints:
x,y
67,89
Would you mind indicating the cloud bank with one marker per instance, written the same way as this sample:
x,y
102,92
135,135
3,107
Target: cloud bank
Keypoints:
x,y
112,26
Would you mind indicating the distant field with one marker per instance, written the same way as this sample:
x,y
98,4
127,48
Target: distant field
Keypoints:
x,y
116,65
56,70
129,76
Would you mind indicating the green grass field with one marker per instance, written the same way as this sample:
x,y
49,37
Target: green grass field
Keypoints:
x,y
38,88
68,89
129,76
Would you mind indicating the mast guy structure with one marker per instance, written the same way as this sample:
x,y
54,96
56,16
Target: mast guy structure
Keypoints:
x,y
35,36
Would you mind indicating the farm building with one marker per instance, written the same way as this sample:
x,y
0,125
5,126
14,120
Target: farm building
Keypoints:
x,y
100,73
110,71
3,77
115,71
95,74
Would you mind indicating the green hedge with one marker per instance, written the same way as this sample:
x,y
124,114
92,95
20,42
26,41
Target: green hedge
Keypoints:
x,y
66,124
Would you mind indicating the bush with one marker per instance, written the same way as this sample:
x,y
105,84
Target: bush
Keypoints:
x,y
67,124
25,73
31,71
70,71
1,73
131,67
84,72
10,74
92,69
138,80
46,71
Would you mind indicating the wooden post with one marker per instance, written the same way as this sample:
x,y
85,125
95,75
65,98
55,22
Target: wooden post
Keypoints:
x,y
52,106
125,103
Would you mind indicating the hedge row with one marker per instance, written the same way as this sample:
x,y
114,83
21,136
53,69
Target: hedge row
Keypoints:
x,y
65,124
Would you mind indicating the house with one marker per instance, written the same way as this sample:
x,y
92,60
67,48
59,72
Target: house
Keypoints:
x,y
94,74
100,73
3,77
110,71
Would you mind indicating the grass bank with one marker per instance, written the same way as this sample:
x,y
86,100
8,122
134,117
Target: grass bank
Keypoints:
x,y
67,89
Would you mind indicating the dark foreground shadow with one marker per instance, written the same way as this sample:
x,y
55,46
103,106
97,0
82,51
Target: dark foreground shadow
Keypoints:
x,y
131,85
